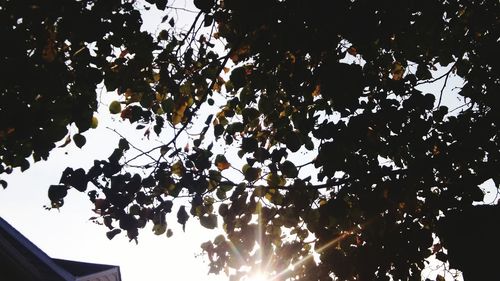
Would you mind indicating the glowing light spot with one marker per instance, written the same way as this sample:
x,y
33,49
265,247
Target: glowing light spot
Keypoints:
x,y
257,277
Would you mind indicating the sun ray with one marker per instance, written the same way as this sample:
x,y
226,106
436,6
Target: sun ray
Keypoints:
x,y
236,252
259,229
333,242
264,269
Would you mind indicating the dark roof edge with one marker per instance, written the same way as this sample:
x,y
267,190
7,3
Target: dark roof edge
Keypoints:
x,y
37,252
101,273
83,268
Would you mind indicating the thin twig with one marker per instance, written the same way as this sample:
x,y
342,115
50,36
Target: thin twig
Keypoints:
x,y
189,119
133,146
430,81
182,9
189,31
148,165
328,184
444,86
305,164
458,107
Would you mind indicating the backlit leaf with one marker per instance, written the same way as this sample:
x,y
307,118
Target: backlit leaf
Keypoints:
x,y
221,162
177,168
159,228
209,221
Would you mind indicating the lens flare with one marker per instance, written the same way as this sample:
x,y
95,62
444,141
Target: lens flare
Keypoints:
x,y
258,277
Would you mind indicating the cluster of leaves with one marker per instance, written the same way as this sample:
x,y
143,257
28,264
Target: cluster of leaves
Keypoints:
x,y
393,166
56,55
382,216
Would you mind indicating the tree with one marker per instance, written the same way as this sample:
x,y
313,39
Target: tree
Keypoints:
x,y
393,166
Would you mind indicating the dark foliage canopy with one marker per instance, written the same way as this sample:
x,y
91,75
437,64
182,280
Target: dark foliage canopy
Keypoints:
x,y
395,171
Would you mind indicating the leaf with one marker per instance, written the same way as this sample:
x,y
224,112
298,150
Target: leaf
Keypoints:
x,y
204,5
3,184
274,179
178,114
322,201
186,89
289,170
209,221
77,179
208,20
249,144
317,91
220,193
215,175
442,256
101,204
159,228
94,123
423,73
115,107
57,192
292,141
250,114
177,168
66,141
252,174
25,164
164,149
182,217
49,51
79,140
157,128
128,222
123,144
221,162
161,4
397,71
352,51
269,194
237,78
229,86
111,234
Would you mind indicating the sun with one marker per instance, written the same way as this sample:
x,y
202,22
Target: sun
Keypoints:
x,y
257,277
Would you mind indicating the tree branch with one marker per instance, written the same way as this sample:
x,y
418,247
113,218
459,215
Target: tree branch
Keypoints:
x,y
195,109
133,146
329,183
444,86
430,81
188,32
182,9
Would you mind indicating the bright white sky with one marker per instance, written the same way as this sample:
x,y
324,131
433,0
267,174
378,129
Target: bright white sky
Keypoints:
x,y
68,234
